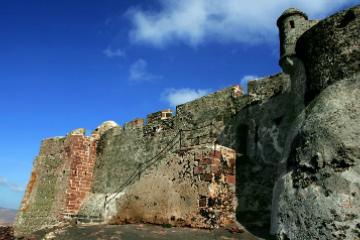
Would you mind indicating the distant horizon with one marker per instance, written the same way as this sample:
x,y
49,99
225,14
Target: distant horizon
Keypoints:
x,y
76,64
9,209
7,216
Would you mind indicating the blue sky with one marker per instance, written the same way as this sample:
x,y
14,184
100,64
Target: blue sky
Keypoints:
x,y
71,64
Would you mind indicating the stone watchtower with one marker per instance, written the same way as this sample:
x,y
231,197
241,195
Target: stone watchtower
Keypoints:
x,y
292,24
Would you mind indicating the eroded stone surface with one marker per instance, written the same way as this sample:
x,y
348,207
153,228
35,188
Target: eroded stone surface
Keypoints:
x,y
193,187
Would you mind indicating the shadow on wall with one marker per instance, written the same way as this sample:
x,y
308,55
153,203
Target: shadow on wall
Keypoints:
x,y
246,218
254,178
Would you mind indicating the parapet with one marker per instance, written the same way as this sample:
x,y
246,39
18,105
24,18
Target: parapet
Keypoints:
x,y
217,100
52,145
264,88
154,118
136,123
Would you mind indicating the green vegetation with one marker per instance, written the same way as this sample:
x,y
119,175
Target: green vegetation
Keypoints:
x,y
167,225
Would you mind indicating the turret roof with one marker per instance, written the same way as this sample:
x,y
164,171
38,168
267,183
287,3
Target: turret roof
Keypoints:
x,y
289,12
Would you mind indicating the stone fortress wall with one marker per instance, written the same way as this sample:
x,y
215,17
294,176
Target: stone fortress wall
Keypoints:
x,y
72,167
285,156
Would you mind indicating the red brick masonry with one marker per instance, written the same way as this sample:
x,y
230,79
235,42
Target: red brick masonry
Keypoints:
x,y
82,155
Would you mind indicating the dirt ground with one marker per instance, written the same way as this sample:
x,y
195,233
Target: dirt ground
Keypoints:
x,y
136,231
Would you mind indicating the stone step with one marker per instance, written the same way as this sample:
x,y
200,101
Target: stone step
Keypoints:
x,y
83,219
86,220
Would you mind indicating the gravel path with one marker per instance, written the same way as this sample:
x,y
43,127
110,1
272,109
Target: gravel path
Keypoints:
x,y
136,231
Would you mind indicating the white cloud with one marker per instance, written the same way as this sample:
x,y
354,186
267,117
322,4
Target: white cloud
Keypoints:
x,y
116,53
245,79
138,72
3,181
11,185
179,96
198,21
17,187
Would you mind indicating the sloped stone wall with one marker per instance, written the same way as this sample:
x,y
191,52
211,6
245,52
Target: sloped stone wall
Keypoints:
x,y
45,196
316,195
59,181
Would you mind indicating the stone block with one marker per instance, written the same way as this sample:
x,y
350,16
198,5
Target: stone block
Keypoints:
x,y
232,162
216,154
207,177
202,201
214,169
97,221
230,179
84,220
198,156
206,161
198,170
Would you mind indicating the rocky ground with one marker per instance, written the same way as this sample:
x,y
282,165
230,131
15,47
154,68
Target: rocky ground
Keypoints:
x,y
139,231
6,233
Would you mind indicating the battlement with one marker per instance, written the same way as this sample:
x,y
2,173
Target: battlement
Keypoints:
x,y
264,88
219,99
136,123
161,120
52,145
154,118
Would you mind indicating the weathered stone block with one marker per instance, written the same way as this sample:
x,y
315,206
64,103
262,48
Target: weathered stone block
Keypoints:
x,y
206,177
202,201
198,170
230,179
